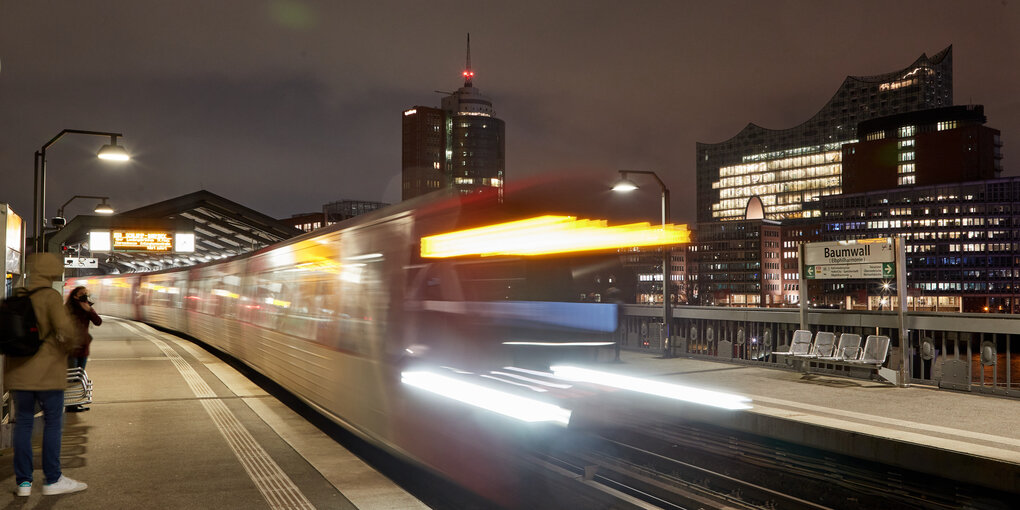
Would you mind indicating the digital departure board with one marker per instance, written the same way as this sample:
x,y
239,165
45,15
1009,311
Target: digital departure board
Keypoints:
x,y
142,241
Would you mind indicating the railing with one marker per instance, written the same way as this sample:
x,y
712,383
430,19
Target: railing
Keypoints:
x,y
969,352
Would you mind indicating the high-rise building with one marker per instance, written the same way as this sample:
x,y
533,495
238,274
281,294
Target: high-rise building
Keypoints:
x,y
790,169
460,145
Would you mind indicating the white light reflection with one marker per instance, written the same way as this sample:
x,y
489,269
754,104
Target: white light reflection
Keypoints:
x,y
367,256
535,381
522,385
661,389
507,404
562,344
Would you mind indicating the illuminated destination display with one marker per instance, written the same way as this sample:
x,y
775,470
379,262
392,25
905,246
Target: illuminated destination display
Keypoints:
x,y
142,241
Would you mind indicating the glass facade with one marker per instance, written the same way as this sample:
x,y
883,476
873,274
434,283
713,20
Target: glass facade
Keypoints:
x,y
791,169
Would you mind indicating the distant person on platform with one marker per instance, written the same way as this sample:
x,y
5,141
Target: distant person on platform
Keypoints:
x,y
42,378
83,315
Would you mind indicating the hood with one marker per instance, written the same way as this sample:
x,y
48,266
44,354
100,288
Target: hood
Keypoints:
x,y
43,269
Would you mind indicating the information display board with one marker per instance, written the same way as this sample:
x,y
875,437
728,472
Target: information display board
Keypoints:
x,y
141,241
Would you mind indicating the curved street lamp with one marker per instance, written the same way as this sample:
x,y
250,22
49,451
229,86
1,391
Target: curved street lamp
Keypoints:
x,y
625,185
109,152
101,208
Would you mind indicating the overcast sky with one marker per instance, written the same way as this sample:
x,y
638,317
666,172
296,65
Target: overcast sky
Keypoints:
x,y
284,105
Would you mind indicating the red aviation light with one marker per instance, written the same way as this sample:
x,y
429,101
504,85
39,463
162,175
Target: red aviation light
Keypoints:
x,y
469,74
546,235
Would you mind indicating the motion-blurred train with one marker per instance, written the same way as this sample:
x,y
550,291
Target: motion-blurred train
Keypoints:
x,y
350,316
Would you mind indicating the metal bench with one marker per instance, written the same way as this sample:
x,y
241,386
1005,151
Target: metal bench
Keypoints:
x,y
850,360
800,346
848,348
79,388
824,344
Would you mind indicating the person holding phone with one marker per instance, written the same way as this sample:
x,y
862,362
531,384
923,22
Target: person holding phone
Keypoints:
x,y
79,305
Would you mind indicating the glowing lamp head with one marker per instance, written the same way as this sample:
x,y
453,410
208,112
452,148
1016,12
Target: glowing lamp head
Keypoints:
x,y
469,74
113,152
625,184
103,208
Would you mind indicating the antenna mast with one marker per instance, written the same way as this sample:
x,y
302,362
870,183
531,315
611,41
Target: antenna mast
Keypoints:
x,y
468,73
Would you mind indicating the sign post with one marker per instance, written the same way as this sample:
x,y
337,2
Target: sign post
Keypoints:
x,y
901,295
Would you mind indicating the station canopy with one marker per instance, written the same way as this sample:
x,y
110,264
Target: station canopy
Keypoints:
x,y
156,236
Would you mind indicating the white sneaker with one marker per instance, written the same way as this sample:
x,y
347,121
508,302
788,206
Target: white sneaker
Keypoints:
x,y
24,489
64,485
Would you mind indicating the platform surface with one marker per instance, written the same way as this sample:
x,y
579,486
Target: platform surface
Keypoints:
x,y
172,426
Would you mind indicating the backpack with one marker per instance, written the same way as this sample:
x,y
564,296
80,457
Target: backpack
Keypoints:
x,y
19,329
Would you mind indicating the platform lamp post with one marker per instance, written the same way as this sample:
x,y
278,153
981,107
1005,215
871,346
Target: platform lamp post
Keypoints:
x,y
101,208
109,152
625,184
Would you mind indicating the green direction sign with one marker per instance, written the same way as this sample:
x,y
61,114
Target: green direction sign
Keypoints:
x,y
888,269
810,272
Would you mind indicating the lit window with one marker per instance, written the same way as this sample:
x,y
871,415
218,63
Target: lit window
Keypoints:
x,y
877,135
945,125
905,143
907,156
907,131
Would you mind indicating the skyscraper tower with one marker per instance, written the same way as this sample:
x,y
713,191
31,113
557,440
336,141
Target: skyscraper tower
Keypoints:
x,y
460,145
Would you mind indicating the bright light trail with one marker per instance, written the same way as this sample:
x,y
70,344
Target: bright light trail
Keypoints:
x,y
507,404
545,235
660,389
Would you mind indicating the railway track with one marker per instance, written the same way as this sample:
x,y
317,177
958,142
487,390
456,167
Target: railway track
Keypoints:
x,y
686,466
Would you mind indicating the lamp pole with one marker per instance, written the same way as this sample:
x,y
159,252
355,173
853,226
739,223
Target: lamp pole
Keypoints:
x,y
111,151
667,312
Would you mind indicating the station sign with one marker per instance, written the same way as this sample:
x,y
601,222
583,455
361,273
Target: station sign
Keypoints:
x,y
81,262
862,258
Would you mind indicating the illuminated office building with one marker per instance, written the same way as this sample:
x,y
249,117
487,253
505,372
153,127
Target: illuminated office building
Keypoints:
x,y
460,145
962,243
937,146
789,170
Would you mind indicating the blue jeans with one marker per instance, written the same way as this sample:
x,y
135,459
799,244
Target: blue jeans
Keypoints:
x,y
52,404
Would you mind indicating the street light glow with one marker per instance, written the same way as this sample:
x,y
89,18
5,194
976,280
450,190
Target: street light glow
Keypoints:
x,y
113,152
625,184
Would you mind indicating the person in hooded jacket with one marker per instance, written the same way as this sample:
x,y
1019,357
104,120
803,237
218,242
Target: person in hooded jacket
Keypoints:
x,y
82,315
42,378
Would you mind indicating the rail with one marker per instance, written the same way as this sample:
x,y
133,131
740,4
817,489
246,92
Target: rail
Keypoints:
x,y
970,352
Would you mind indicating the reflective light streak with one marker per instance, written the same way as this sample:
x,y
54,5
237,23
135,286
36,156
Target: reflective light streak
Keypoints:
x,y
507,404
562,344
545,235
515,383
535,381
661,389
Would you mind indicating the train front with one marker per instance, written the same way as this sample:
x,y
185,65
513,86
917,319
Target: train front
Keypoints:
x,y
496,300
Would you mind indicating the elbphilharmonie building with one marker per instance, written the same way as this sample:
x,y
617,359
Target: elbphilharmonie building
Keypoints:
x,y
789,170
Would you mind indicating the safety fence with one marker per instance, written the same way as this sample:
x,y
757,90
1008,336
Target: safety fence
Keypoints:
x,y
969,352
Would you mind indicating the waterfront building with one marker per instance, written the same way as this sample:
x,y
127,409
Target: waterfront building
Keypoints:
x,y
937,146
790,169
962,244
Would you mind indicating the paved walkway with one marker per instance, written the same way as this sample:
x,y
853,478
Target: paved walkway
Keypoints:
x,y
172,426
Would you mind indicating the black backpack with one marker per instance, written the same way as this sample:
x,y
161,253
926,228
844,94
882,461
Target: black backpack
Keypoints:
x,y
19,329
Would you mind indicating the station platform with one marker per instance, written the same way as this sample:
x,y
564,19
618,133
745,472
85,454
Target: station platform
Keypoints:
x,y
172,426
957,435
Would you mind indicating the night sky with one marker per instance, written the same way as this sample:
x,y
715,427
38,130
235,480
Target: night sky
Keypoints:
x,y
283,105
